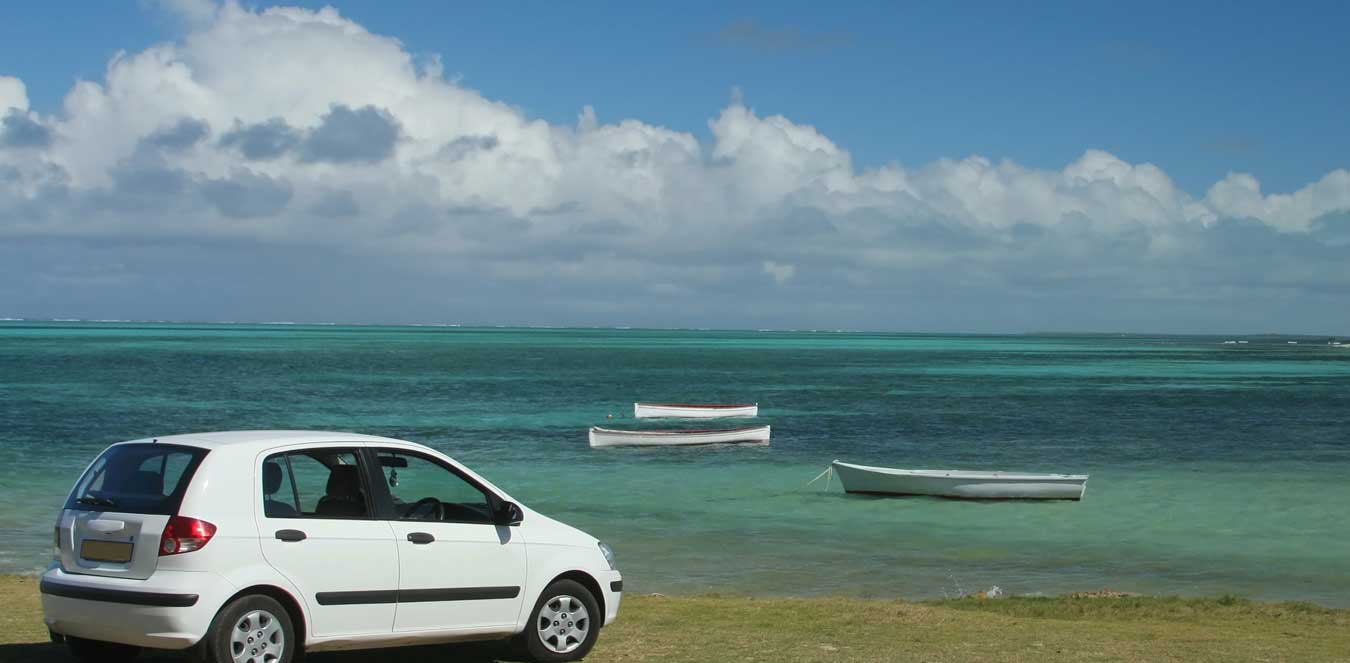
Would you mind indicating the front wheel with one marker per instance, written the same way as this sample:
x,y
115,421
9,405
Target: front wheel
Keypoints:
x,y
250,629
564,624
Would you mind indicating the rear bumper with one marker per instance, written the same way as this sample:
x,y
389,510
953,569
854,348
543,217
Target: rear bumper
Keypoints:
x,y
172,610
123,596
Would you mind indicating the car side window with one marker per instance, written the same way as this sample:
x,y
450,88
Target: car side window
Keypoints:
x,y
423,489
281,499
314,483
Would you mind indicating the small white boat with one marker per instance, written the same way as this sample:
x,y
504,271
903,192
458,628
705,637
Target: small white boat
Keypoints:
x,y
958,483
609,437
693,410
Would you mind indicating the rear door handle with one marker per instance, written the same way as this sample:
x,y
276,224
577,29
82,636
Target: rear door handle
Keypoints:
x,y
290,535
420,537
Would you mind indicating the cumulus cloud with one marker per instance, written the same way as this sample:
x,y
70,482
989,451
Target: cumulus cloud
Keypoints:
x,y
465,146
343,135
245,194
13,94
301,131
263,140
1239,196
346,135
20,129
179,135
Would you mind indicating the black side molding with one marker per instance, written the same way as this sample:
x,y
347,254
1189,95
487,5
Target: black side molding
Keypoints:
x,y
416,595
457,594
616,586
357,598
128,597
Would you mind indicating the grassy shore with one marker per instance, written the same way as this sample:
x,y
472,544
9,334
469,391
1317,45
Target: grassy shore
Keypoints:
x,y
741,630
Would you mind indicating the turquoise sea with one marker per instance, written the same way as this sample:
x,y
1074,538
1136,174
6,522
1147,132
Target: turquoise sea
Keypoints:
x,y
1215,468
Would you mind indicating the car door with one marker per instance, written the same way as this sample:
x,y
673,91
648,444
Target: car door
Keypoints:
x,y
318,528
456,568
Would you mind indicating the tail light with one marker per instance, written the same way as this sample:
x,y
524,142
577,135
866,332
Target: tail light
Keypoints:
x,y
184,535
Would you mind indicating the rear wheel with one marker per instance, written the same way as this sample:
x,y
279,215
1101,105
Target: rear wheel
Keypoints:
x,y
564,624
99,651
251,629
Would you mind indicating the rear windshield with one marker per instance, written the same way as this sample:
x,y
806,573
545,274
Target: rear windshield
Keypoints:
x,y
137,478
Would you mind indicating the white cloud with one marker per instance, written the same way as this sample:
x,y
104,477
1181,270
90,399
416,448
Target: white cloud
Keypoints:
x,y
1239,196
292,127
781,273
13,94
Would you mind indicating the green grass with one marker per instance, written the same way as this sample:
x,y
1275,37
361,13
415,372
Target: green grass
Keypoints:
x,y
743,630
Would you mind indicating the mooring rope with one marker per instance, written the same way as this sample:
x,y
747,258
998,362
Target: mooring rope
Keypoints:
x,y
828,474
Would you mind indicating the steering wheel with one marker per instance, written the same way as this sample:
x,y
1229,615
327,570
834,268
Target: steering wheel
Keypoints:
x,y
433,507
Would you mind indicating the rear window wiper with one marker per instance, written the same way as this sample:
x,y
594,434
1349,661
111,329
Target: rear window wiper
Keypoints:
x,y
96,501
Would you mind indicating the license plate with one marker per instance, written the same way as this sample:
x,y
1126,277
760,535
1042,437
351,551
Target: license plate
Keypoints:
x,y
105,551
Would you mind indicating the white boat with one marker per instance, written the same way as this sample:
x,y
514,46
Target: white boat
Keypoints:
x,y
958,483
693,410
609,437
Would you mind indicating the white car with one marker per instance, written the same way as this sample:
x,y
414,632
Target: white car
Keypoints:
x,y
257,546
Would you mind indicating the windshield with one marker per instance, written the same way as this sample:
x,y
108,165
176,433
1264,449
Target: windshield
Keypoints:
x,y
137,478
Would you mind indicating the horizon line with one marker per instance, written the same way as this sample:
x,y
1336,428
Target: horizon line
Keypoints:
x,y
544,326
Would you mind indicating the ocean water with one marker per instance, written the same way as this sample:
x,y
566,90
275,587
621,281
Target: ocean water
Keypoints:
x,y
1215,468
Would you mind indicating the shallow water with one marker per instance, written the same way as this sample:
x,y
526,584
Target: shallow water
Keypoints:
x,y
1215,468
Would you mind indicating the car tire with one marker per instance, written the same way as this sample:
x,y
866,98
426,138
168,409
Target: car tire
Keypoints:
x,y
554,620
256,624
97,651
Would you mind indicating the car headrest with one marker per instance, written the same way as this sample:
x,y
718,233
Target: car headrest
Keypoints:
x,y
271,477
344,481
143,482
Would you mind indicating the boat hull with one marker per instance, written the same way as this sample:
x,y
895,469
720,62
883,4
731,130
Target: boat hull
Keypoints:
x,y
693,411
609,437
960,484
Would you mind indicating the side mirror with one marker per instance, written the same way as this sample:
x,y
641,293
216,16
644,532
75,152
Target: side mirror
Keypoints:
x,y
508,514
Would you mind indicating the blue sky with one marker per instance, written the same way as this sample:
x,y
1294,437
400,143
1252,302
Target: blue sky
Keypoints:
x,y
1209,93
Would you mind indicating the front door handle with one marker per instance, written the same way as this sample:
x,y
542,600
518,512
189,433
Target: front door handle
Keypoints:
x,y
290,535
420,537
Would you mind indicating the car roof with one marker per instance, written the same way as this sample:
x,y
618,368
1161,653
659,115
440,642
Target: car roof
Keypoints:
x,y
263,439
